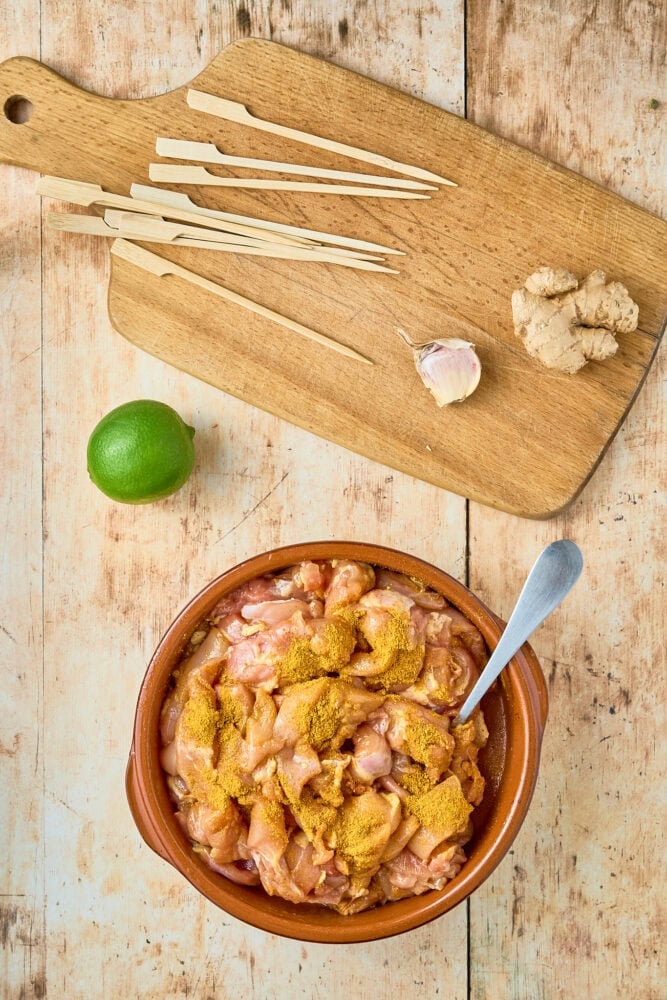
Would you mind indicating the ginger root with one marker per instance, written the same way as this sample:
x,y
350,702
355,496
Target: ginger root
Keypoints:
x,y
564,325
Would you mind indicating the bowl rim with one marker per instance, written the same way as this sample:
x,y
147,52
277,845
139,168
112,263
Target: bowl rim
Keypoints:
x,y
523,676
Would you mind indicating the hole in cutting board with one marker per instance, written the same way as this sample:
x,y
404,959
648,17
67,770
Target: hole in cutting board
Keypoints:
x,y
18,110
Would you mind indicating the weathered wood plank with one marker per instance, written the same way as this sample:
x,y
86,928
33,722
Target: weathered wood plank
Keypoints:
x,y
120,923
22,964
576,901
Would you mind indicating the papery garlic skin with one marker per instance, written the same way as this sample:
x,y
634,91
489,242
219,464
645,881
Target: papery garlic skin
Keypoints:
x,y
450,369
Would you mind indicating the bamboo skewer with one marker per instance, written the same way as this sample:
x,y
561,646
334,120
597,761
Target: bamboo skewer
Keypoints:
x,y
83,193
207,152
161,197
235,112
174,174
147,226
157,265
93,225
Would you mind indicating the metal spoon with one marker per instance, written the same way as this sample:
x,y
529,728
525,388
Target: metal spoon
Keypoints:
x,y
552,577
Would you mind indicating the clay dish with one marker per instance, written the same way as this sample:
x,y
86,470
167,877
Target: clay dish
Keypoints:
x,y
515,710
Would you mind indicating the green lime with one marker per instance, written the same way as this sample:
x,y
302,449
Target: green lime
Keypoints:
x,y
140,452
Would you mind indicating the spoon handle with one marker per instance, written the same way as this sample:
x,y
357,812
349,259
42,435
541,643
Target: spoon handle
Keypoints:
x,y
555,572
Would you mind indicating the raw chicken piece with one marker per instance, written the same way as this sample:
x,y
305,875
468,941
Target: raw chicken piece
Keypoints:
x,y
446,679
267,840
205,663
241,872
220,829
274,612
349,581
299,858
296,706
372,755
314,576
469,634
386,579
263,588
168,758
256,660
418,732
363,826
236,700
195,738
388,600
296,766
400,837
259,741
325,711
394,636
328,783
331,891
408,875
443,813
365,901
315,818
468,740
390,784
353,706
233,627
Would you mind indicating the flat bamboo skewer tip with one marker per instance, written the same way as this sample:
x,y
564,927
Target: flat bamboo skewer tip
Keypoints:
x,y
208,152
157,265
175,174
234,112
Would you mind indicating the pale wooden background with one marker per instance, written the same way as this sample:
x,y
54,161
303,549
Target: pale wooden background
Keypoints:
x,y
87,586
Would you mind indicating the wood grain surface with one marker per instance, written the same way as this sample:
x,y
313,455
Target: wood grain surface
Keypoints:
x,y
88,586
467,249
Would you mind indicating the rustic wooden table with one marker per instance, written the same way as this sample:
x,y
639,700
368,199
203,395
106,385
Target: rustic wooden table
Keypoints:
x,y
88,586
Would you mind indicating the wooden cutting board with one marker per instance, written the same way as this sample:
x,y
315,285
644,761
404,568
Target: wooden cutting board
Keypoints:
x,y
529,439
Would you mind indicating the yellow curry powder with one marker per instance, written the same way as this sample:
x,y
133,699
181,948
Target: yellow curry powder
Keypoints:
x,y
324,719
415,780
399,659
299,664
199,717
359,836
424,742
214,795
444,810
274,817
218,728
309,658
313,816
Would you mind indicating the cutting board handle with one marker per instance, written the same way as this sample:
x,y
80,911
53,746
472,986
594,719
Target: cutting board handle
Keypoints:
x,y
56,112
104,132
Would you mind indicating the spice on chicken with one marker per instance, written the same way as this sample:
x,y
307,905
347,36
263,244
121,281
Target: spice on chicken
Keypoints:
x,y
444,810
308,658
306,749
416,780
324,721
199,718
425,742
402,660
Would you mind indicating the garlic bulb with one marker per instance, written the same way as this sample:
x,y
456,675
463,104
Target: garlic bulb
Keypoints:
x,y
450,369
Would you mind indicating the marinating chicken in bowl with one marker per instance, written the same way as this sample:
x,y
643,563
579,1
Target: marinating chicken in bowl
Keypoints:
x,y
307,735
294,735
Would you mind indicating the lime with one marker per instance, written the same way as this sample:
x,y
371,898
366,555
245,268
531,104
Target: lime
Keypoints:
x,y
140,452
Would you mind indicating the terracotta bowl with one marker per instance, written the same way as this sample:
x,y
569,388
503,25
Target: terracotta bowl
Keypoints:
x,y
515,711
